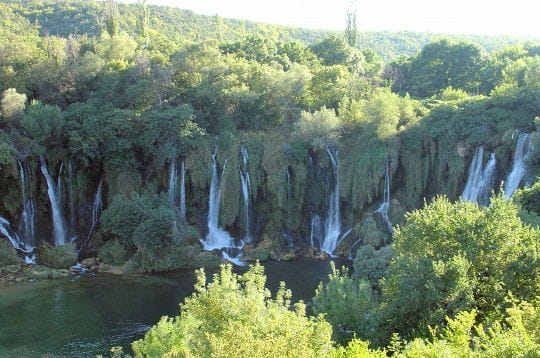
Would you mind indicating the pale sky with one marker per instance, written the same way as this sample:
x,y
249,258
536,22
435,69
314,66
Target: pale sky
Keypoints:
x,y
508,17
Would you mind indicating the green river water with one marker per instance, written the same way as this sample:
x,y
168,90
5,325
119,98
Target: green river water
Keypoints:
x,y
87,315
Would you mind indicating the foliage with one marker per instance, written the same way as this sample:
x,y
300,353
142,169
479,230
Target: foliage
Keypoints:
x,y
148,232
321,128
457,256
13,103
347,304
235,316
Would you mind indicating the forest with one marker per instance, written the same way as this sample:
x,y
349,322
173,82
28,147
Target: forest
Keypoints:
x,y
152,139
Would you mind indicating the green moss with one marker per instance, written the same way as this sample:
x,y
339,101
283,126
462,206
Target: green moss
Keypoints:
x,y
113,252
57,256
8,255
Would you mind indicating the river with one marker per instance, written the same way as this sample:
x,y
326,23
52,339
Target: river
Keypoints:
x,y
87,315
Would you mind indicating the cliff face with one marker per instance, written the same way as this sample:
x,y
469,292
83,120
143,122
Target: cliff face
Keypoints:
x,y
291,185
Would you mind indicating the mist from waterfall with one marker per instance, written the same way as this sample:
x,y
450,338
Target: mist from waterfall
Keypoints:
x,y
519,165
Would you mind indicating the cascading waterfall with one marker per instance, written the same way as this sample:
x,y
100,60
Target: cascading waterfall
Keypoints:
x,y
26,229
173,186
332,223
97,206
317,231
72,230
217,238
59,227
183,188
172,181
382,211
5,230
480,180
518,168
244,178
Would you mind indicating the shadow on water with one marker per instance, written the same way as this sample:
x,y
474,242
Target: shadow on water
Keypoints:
x,y
87,316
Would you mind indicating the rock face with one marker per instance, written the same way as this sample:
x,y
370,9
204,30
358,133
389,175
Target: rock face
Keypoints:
x,y
57,256
8,255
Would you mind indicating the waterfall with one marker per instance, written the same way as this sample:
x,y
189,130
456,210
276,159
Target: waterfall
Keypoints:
x,y
97,205
71,194
382,211
27,221
217,238
332,223
518,168
59,228
183,188
11,236
172,181
244,178
317,231
480,180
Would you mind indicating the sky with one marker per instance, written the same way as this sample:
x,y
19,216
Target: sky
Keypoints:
x,y
491,17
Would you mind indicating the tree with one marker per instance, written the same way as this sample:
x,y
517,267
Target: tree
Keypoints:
x,y
320,128
235,316
347,304
13,104
351,29
333,50
457,256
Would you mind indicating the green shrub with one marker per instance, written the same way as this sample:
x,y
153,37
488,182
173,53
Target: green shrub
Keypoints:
x,y
235,316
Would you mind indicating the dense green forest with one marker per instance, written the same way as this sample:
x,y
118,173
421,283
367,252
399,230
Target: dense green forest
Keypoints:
x,y
148,136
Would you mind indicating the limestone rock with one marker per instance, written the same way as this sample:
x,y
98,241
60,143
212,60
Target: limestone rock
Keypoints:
x,y
8,254
57,256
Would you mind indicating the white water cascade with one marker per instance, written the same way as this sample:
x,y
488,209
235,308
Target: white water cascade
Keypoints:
x,y
480,180
27,222
332,223
172,181
173,186
59,227
182,188
97,206
518,168
382,211
246,186
5,230
217,238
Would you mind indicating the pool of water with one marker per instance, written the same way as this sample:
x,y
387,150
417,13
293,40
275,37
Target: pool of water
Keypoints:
x,y
86,316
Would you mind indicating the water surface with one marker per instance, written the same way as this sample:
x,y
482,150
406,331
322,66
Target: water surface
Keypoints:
x,y
86,316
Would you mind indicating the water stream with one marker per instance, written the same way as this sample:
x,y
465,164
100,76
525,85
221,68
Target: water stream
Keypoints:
x,y
519,165
481,179
59,226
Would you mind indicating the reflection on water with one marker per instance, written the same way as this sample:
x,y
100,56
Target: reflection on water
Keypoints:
x,y
86,316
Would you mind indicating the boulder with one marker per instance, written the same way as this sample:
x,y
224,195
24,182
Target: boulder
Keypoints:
x,y
8,254
89,262
57,256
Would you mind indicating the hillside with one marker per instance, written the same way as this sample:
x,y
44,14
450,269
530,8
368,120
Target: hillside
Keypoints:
x,y
65,17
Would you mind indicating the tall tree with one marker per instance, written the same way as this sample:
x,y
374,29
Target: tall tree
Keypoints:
x,y
351,29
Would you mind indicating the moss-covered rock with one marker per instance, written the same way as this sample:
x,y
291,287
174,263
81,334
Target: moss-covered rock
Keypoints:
x,y
206,259
113,253
57,256
8,254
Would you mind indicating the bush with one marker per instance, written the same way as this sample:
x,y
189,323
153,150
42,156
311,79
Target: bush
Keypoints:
x,y
235,316
347,304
